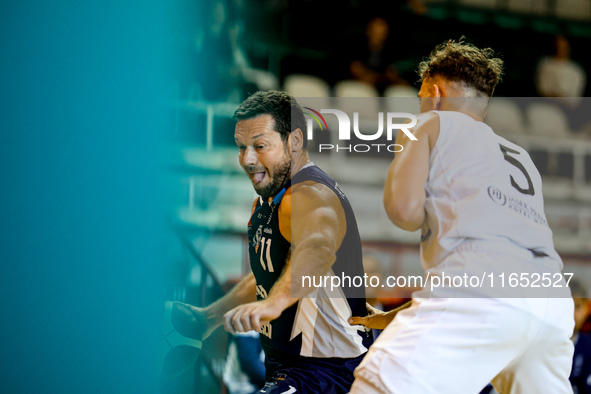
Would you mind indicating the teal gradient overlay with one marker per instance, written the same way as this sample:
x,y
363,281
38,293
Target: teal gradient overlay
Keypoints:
x,y
83,123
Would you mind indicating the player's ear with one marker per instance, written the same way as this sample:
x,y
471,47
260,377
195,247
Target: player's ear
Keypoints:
x,y
437,94
297,140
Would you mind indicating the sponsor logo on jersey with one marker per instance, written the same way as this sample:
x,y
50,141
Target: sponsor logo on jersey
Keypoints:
x,y
515,204
257,238
497,195
338,189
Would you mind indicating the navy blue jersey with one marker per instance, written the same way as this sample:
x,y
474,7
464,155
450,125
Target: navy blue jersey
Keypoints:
x,y
580,376
315,326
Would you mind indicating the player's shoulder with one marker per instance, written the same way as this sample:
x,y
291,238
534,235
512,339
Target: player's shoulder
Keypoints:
x,y
316,198
428,126
429,116
315,189
254,207
255,203
285,205
312,190
506,144
307,192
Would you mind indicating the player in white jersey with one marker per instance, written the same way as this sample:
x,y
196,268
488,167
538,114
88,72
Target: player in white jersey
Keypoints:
x,y
477,199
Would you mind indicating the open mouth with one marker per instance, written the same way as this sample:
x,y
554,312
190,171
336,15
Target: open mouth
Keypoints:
x,y
257,177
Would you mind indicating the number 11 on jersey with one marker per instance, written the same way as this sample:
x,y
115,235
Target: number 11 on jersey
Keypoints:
x,y
266,254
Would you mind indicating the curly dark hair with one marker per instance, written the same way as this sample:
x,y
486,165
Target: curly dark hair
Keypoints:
x,y
284,109
459,61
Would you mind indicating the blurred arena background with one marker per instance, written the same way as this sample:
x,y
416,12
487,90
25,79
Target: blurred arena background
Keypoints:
x,y
307,48
123,189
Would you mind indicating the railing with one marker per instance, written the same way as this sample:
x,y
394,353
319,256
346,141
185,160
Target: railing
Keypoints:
x,y
193,366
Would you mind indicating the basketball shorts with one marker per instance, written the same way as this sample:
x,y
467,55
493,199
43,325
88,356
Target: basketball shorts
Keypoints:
x,y
458,345
287,374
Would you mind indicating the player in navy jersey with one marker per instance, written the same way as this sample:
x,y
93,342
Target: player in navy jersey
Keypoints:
x,y
301,225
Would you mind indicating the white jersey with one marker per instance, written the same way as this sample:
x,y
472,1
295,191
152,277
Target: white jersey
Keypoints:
x,y
481,187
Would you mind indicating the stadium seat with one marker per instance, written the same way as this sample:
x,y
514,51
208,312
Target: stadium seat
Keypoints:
x,y
303,85
565,165
347,90
400,98
573,9
401,91
504,116
354,88
547,119
479,3
538,7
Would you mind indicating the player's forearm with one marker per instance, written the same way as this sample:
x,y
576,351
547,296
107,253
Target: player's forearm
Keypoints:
x,y
382,320
312,258
404,203
387,317
280,295
405,212
404,191
242,293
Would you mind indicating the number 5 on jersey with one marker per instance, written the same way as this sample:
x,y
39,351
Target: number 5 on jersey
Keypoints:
x,y
516,163
266,254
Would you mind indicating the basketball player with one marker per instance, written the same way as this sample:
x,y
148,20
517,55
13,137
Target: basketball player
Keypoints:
x,y
477,199
301,225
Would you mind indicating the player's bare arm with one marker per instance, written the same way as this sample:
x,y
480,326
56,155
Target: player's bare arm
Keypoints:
x,y
404,191
199,323
376,318
318,226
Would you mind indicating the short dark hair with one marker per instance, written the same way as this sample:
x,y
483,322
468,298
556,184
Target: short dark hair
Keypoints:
x,y
284,109
459,61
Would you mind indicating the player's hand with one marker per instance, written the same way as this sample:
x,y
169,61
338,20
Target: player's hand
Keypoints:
x,y
375,319
191,321
251,316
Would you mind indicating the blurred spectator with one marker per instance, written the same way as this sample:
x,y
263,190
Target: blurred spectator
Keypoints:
x,y
580,376
564,80
214,54
418,7
559,76
373,63
222,63
260,79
